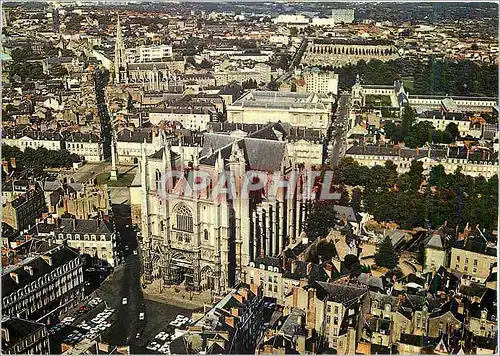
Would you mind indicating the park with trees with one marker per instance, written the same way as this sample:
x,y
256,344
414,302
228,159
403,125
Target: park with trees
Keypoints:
x,y
380,191
38,159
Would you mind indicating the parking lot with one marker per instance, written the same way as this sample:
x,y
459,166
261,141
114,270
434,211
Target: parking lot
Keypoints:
x,y
160,343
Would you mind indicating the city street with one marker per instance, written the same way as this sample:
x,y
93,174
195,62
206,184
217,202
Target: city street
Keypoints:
x,y
340,128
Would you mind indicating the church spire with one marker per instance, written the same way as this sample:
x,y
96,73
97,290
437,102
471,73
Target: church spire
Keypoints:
x,y
120,63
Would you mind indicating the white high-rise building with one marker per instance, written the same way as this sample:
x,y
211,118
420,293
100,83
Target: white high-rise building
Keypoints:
x,y
318,81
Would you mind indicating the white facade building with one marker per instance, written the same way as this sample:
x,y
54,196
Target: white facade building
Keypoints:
x,y
24,142
88,146
148,53
291,19
371,156
309,110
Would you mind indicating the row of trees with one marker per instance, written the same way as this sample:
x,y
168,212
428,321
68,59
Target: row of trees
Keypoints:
x,y
40,158
250,84
435,77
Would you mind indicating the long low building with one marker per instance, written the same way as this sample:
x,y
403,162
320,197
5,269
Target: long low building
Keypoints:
x,y
308,110
453,103
474,166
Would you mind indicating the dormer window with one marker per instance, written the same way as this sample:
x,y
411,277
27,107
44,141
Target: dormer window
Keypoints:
x,y
93,237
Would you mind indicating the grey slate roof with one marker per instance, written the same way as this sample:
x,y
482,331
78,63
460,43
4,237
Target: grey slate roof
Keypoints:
x,y
60,255
338,293
85,226
18,329
214,142
291,324
260,155
347,212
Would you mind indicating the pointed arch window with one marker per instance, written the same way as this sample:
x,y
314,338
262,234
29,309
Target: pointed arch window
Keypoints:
x,y
184,219
157,179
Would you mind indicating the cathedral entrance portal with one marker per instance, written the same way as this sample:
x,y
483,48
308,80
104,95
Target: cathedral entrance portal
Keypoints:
x,y
182,270
207,280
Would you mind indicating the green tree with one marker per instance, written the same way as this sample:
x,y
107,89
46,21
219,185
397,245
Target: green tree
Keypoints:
x,y
393,132
205,64
326,250
422,132
386,255
452,128
408,119
320,220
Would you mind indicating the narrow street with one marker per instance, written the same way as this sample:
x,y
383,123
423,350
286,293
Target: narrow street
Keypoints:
x,y
340,128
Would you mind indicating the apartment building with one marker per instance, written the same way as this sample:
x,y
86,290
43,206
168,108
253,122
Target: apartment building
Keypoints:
x,y
21,212
474,256
337,312
46,283
21,336
94,237
472,165
86,145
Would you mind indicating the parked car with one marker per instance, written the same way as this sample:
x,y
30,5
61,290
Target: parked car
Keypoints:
x,y
124,301
141,316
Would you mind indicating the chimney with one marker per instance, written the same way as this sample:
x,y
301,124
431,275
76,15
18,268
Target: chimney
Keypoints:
x,y
48,259
29,270
5,334
294,266
15,277
238,297
309,268
254,288
229,321
268,349
235,312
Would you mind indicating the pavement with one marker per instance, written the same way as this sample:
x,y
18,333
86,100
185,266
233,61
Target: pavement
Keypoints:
x,y
87,172
339,133
177,295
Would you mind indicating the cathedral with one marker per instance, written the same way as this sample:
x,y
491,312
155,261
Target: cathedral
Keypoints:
x,y
206,241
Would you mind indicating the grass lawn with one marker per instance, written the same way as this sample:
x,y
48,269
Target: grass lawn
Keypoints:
x,y
124,180
408,83
378,100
